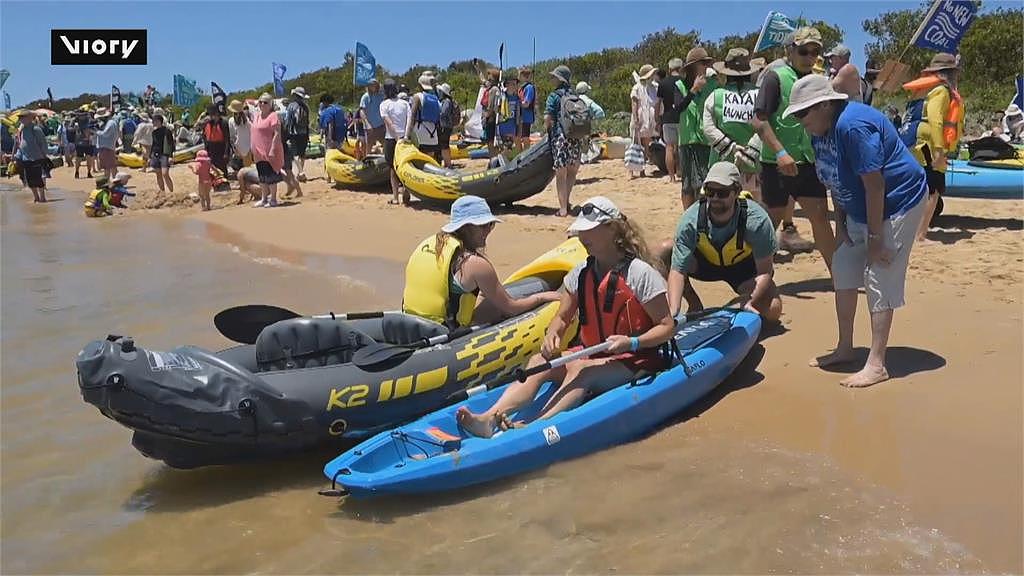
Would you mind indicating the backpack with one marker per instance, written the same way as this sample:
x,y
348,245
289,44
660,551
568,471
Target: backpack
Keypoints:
x,y
430,108
450,113
867,91
573,115
300,124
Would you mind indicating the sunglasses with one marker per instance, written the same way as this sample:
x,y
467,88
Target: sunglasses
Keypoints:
x,y
721,193
808,51
801,114
590,209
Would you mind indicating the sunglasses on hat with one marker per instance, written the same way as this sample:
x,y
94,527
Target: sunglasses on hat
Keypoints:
x,y
589,209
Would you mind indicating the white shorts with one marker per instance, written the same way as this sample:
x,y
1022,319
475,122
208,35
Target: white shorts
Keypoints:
x,y
884,285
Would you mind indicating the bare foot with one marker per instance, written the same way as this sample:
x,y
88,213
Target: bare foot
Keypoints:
x,y
867,376
834,357
480,425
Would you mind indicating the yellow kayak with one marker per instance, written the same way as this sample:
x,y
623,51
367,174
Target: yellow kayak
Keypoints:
x,y
525,175
345,169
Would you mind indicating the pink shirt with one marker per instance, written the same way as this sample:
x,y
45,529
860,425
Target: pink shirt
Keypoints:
x,y
202,169
264,146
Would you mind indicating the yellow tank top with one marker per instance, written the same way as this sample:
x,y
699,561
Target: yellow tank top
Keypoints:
x,y
429,290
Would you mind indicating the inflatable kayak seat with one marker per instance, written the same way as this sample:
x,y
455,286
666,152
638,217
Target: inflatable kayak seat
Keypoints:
x,y
405,329
308,343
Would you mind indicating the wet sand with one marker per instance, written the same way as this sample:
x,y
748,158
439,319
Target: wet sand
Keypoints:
x,y
781,470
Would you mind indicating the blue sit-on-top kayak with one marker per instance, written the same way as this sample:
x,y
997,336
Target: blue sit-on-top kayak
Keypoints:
x,y
434,453
993,180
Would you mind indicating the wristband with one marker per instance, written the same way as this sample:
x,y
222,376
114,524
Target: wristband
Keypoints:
x,y
634,343
781,153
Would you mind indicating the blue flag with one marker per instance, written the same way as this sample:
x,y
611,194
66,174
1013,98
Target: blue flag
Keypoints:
x,y
7,100
945,25
185,92
366,65
4,75
279,70
773,32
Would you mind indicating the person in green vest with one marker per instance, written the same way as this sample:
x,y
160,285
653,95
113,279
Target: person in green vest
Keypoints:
x,y
727,114
694,152
787,159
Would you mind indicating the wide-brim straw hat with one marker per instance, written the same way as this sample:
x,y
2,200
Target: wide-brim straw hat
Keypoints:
x,y
697,54
646,71
943,61
738,63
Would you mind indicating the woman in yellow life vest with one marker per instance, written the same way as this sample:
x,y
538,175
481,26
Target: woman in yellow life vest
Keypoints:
x,y
98,203
447,272
934,125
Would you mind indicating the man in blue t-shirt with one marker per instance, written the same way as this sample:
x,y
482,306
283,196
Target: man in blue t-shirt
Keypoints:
x,y
877,187
527,106
333,122
369,106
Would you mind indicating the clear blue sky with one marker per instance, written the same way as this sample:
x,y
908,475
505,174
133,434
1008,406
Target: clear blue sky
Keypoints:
x,y
220,41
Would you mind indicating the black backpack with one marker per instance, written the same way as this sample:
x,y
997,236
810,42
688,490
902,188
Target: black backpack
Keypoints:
x,y
574,115
450,113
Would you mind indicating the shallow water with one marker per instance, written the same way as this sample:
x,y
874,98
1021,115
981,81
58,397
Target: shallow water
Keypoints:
x,y
78,498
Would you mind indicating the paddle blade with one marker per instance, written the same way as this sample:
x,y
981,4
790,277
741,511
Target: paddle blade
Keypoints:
x,y
244,323
380,356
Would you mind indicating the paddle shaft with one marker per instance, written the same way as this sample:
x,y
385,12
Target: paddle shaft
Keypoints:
x,y
522,374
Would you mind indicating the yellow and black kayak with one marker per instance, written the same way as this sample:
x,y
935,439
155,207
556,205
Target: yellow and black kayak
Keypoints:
x,y
133,160
303,383
527,174
346,170
460,149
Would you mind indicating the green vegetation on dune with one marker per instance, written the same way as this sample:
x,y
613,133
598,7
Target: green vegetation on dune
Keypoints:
x,y
991,53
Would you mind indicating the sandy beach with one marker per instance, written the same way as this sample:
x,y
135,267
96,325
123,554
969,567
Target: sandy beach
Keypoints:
x,y
944,436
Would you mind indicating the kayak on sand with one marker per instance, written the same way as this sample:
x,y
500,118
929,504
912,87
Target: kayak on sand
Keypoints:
x,y
299,383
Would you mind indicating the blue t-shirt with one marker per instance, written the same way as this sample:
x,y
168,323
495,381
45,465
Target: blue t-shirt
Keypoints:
x,y
334,114
864,141
528,93
371,107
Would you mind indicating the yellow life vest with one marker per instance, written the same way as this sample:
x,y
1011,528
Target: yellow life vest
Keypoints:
x,y
95,199
428,285
736,249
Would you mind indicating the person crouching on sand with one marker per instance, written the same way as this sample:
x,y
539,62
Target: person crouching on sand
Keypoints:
x,y
724,236
880,194
640,324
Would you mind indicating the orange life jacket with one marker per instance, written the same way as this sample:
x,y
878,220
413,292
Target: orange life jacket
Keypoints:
x,y
609,307
955,113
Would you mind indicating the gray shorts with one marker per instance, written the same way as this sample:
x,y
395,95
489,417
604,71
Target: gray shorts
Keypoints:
x,y
884,285
670,134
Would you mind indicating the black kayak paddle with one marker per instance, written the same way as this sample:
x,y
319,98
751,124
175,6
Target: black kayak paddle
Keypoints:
x,y
243,324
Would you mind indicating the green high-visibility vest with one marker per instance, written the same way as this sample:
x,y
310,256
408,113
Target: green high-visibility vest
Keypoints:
x,y
789,131
691,129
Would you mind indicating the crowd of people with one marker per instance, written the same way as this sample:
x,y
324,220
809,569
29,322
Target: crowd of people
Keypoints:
x,y
746,140
750,138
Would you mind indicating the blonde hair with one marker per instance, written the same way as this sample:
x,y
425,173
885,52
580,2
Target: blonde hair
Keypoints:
x,y
462,235
629,238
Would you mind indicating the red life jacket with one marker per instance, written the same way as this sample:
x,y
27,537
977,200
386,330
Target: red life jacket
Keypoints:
x,y
609,307
213,132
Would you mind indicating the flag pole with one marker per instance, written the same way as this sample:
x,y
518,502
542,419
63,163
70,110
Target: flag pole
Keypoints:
x,y
920,28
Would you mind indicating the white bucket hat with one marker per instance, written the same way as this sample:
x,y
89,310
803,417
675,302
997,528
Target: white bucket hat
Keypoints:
x,y
469,210
594,212
810,90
